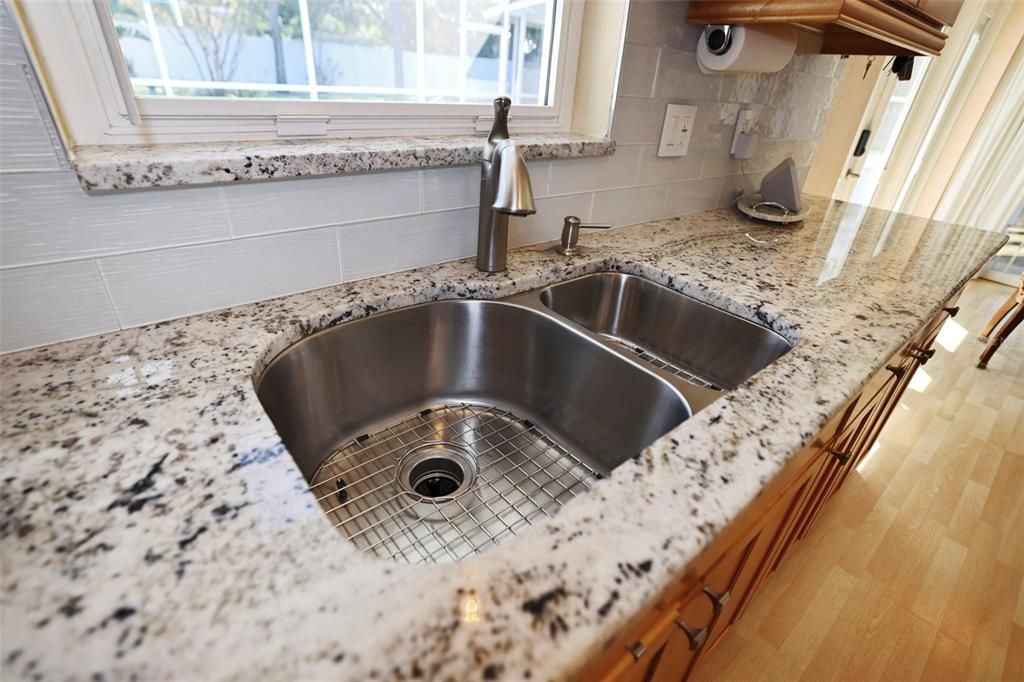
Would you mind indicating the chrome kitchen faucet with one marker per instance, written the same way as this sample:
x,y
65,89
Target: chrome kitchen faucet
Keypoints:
x,y
504,190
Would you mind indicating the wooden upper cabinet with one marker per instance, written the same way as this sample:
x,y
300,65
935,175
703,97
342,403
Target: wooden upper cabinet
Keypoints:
x,y
942,11
884,27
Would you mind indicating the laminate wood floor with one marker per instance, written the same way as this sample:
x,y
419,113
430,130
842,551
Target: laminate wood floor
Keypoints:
x,y
915,571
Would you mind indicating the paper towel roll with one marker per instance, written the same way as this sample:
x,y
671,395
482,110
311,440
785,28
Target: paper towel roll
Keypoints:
x,y
762,48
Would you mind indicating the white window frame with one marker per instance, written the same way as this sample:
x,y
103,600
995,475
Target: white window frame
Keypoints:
x,y
76,53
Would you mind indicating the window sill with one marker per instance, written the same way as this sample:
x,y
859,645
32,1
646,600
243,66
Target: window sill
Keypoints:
x,y
122,167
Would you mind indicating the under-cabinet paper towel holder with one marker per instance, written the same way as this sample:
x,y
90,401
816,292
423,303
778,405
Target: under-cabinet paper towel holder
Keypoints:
x,y
745,48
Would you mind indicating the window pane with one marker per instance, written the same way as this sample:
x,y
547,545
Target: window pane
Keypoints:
x,y
453,51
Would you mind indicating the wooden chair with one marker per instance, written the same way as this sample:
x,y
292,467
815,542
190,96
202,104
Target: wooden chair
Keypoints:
x,y
1014,307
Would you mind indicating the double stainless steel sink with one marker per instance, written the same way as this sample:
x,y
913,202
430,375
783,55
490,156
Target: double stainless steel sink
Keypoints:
x,y
433,432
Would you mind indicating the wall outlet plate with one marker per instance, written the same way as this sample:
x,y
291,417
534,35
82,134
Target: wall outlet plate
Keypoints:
x,y
676,130
742,137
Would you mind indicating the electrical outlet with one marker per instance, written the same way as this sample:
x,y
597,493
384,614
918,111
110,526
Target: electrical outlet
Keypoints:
x,y
676,130
742,137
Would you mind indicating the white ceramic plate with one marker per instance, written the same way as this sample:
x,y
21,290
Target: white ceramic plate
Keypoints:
x,y
751,205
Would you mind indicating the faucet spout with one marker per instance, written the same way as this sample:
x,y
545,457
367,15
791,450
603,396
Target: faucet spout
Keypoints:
x,y
514,193
505,190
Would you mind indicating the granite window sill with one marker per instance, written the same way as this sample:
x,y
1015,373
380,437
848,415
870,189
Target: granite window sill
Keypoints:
x,y
123,167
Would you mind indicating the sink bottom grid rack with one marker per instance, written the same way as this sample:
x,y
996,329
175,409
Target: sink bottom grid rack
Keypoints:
x,y
445,483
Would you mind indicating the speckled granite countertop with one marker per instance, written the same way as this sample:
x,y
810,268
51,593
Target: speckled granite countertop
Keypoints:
x,y
154,527
120,167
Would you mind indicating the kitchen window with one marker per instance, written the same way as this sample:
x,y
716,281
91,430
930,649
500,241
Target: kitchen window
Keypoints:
x,y
228,70
453,51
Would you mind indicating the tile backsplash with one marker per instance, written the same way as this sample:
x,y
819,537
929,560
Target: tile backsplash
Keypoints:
x,y
73,265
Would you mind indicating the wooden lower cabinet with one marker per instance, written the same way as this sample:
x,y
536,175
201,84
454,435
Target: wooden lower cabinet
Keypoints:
x,y
666,643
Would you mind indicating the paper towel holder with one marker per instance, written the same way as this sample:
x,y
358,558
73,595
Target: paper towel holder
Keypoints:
x,y
718,37
745,48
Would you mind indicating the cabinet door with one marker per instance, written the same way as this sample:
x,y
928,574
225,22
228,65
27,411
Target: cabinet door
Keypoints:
x,y
726,584
819,491
784,522
824,481
692,624
636,655
705,614
901,371
927,336
856,439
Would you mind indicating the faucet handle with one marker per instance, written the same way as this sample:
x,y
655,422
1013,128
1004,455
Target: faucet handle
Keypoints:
x,y
571,234
499,128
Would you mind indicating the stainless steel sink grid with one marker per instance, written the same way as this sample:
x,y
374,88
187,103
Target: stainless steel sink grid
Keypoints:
x,y
368,488
645,355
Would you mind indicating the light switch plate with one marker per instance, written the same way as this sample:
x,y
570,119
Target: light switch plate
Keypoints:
x,y
675,132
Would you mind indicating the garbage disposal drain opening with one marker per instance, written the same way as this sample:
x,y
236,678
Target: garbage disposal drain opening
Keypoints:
x,y
436,477
437,471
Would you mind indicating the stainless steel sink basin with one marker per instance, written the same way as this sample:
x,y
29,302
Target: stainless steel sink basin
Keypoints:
x,y
678,334
431,432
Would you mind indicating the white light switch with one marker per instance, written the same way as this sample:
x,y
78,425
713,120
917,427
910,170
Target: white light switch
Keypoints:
x,y
675,132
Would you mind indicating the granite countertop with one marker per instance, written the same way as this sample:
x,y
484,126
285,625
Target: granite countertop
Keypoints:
x,y
105,168
154,527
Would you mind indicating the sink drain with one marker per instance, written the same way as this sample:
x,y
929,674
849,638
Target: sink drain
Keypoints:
x,y
436,471
436,478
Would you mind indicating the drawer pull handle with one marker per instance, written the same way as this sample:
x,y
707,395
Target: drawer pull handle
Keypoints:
x,y
696,637
952,311
898,372
841,457
718,601
638,649
923,356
